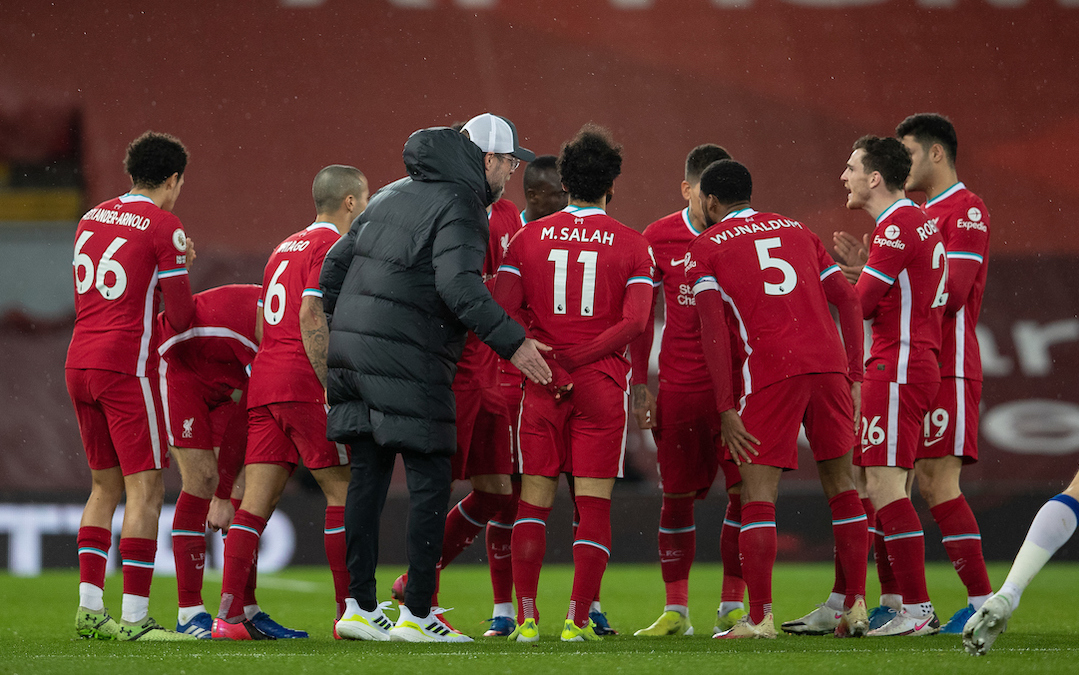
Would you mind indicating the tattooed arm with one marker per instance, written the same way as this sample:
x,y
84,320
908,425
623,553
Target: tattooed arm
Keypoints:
x,y
315,334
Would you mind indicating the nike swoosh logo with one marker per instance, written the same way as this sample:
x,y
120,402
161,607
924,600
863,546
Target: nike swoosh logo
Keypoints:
x,y
199,567
677,262
669,560
932,442
501,557
918,627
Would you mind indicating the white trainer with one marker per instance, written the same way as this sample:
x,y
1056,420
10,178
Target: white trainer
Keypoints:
x,y
821,621
431,628
906,624
983,629
364,625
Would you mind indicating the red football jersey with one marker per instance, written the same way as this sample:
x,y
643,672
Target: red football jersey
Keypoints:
x,y
963,221
220,343
122,248
281,371
768,269
908,256
575,266
478,367
681,360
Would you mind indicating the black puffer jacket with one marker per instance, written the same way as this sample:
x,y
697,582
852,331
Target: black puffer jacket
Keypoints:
x,y
402,288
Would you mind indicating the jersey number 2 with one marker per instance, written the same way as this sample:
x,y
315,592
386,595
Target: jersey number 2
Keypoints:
x,y
560,258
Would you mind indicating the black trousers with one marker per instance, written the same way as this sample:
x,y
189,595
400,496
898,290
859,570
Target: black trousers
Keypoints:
x,y
429,480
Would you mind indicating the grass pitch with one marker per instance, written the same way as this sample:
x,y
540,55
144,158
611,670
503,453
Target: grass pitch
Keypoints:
x,y
37,634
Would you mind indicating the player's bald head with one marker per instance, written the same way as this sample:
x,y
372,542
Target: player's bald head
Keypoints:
x,y
334,183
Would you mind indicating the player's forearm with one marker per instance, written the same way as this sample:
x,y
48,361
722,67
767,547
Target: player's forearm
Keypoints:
x,y
179,305
640,351
315,335
841,294
715,343
961,277
870,291
635,313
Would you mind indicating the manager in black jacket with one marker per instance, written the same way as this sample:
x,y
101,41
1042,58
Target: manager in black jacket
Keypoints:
x,y
403,287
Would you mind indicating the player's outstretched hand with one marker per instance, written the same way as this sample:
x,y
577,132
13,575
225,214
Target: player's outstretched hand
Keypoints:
x,y
529,361
851,254
737,439
220,515
643,406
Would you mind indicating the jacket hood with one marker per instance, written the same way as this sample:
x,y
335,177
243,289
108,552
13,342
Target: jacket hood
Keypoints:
x,y
440,154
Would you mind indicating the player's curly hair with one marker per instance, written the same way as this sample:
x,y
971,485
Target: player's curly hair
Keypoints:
x,y
153,157
887,156
589,163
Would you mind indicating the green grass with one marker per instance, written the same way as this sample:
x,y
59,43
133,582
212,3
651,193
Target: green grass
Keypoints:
x,y
37,636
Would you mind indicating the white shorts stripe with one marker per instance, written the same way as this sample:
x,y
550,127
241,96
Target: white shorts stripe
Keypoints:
x,y
893,422
151,413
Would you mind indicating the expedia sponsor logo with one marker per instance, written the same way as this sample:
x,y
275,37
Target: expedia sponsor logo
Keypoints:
x,y
890,243
971,225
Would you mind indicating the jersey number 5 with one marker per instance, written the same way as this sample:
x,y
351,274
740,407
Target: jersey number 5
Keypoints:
x,y
560,258
85,264
790,277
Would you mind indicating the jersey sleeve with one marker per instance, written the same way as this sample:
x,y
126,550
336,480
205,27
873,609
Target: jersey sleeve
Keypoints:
x,y
967,248
311,286
170,251
715,336
888,255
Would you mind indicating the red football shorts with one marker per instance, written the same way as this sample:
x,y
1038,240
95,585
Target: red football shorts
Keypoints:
x,y
820,401
585,435
483,434
687,443
285,433
189,399
119,420
951,425
892,417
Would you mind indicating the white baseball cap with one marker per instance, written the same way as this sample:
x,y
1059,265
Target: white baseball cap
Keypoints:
x,y
493,133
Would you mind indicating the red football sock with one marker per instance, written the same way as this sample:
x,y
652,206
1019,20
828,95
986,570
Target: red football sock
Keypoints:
x,y
905,544
677,546
241,547
138,559
591,549
849,529
334,540
94,544
734,586
189,547
528,545
466,519
871,521
757,543
963,542
888,583
252,583
235,504
499,531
